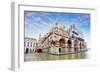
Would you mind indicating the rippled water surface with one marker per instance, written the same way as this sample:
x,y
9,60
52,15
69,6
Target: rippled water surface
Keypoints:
x,y
47,57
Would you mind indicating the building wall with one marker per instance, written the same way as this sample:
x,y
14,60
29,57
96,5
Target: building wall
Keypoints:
x,y
56,41
30,44
59,32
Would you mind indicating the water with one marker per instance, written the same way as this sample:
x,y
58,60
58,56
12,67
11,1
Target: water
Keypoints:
x,y
47,57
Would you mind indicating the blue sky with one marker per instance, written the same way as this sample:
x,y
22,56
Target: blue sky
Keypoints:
x,y
37,23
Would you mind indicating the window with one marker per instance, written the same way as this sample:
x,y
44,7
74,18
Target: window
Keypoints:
x,y
31,44
27,44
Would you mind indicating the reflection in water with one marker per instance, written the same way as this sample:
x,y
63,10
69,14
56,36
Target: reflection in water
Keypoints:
x,y
47,57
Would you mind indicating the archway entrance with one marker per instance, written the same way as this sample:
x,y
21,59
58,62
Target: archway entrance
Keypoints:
x,y
27,50
69,42
69,45
76,43
62,45
59,50
62,42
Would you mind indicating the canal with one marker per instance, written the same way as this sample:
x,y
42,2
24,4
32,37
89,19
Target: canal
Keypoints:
x,y
47,57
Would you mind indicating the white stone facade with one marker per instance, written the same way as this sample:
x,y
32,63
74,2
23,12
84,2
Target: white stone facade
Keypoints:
x,y
30,44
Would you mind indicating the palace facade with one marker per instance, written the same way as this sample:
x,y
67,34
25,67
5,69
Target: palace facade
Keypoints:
x,y
59,40
62,40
